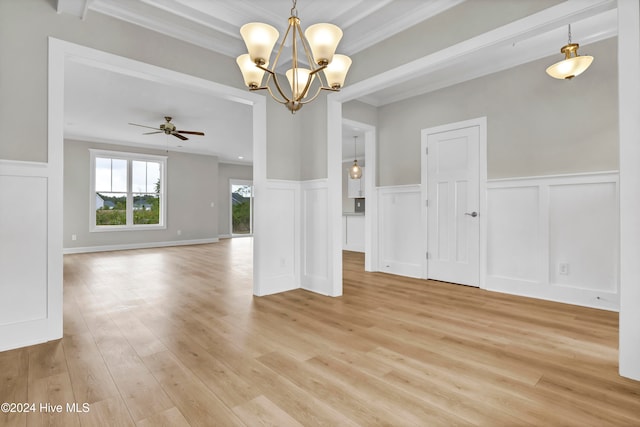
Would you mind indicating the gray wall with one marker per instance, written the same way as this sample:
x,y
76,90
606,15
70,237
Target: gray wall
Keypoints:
x,y
25,26
192,185
536,125
439,32
360,112
227,172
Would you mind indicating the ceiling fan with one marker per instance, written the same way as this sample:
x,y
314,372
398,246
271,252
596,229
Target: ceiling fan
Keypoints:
x,y
169,129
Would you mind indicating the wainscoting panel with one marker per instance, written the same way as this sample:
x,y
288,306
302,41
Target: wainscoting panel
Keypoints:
x,y
555,238
515,212
315,237
30,287
583,236
400,230
278,237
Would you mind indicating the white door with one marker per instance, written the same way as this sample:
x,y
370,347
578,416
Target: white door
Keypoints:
x,y
453,202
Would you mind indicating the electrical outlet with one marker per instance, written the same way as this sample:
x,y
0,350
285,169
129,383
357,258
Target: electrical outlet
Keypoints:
x,y
563,268
74,237
179,232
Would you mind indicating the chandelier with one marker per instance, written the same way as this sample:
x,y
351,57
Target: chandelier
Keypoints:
x,y
314,49
572,65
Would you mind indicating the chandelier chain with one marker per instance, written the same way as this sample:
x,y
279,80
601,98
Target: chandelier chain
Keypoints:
x,y
294,10
569,33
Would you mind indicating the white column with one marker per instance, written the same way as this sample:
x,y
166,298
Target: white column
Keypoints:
x,y
629,112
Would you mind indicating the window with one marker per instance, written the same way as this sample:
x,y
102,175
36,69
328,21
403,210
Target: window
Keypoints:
x,y
127,191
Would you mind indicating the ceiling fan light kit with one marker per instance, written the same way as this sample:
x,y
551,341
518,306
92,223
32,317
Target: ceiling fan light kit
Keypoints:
x,y
169,128
315,47
572,65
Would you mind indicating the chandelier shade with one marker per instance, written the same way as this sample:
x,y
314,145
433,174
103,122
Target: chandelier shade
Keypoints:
x,y
572,65
323,40
298,78
260,40
336,71
252,74
311,52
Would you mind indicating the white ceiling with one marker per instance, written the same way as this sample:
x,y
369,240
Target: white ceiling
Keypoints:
x,y
100,103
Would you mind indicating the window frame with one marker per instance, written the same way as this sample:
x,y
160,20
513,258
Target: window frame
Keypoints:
x,y
129,158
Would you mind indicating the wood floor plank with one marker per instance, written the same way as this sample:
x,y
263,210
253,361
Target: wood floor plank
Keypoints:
x,y
261,411
173,336
14,377
171,417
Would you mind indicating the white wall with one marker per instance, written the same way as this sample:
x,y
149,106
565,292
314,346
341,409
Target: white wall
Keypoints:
x,y
555,238
279,228
30,273
400,230
315,255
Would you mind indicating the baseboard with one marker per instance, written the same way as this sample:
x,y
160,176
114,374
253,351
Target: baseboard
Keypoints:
x,y
128,246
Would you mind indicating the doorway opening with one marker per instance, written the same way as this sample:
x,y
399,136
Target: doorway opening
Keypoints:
x,y
241,208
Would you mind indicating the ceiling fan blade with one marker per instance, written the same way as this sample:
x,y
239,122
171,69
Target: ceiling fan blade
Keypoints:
x,y
190,132
150,133
134,124
177,135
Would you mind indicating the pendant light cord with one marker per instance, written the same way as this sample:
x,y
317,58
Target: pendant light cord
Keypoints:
x,y
355,142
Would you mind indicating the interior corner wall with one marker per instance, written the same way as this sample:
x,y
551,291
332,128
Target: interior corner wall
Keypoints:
x,y
227,172
192,186
537,125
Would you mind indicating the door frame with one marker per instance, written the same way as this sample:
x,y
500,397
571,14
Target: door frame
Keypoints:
x,y
481,123
371,210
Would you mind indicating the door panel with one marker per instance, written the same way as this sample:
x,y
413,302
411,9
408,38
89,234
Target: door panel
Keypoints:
x,y
453,240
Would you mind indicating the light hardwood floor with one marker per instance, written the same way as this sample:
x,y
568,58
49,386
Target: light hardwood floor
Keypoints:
x,y
173,337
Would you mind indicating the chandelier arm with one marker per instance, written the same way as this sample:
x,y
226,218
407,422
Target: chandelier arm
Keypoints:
x,y
307,50
320,89
275,98
280,91
282,43
303,94
268,88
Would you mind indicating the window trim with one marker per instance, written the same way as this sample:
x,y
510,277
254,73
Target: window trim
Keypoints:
x,y
129,157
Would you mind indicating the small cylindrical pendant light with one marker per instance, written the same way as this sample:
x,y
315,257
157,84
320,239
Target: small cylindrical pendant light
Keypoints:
x,y
355,172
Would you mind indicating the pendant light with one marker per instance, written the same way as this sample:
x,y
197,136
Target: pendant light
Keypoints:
x,y
355,172
572,65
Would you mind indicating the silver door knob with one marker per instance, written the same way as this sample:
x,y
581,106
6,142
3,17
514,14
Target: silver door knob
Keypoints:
x,y
472,214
